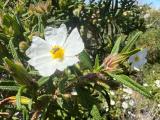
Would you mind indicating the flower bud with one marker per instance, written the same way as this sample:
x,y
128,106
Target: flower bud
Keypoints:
x,y
66,96
20,4
82,30
12,99
125,13
19,73
74,92
94,21
77,11
64,3
23,46
24,100
111,62
40,8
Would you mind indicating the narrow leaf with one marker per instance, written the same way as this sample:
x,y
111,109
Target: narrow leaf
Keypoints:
x,y
18,97
116,46
42,81
95,113
96,64
13,50
3,37
25,113
131,83
40,25
9,88
131,41
131,52
5,82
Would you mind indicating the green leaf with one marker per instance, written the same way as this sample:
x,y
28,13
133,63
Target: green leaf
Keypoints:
x,y
95,113
128,54
33,72
116,46
62,85
85,60
131,83
131,41
3,51
3,37
10,21
42,81
96,64
25,113
5,82
40,25
85,98
45,97
13,50
17,19
7,20
75,70
9,88
18,97
2,67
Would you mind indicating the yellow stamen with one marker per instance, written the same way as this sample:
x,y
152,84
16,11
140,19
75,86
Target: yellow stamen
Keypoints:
x,y
57,52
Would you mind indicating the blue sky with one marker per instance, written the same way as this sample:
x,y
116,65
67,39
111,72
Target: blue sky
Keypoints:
x,y
154,3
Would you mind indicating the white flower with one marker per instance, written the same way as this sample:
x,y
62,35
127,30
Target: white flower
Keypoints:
x,y
126,97
112,92
138,59
131,102
147,15
74,92
56,52
112,102
128,90
145,84
157,82
124,105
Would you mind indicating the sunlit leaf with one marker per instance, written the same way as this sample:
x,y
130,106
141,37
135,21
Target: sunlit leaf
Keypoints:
x,y
95,113
85,60
116,46
131,41
131,83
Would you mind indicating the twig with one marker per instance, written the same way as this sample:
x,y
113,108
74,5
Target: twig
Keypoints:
x,y
35,115
91,77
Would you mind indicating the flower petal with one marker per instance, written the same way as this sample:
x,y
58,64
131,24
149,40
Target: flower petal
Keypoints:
x,y
142,54
74,43
47,70
38,47
139,64
37,61
131,58
44,64
68,61
136,67
56,36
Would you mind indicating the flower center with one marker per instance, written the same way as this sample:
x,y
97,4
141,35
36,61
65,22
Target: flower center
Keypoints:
x,y
57,52
136,59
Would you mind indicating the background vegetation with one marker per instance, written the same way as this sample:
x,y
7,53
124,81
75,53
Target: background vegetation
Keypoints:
x,y
100,24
